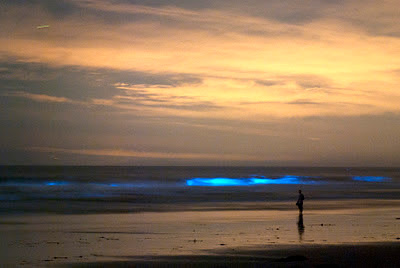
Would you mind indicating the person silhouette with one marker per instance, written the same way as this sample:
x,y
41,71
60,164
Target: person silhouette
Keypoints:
x,y
299,202
300,227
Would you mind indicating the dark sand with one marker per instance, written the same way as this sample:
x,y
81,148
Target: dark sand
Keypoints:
x,y
356,255
348,237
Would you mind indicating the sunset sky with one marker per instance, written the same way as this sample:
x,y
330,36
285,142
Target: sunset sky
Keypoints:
x,y
191,82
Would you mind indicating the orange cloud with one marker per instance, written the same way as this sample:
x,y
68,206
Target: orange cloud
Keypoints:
x,y
337,66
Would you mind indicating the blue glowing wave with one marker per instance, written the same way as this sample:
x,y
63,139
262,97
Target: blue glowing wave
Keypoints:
x,y
248,181
371,178
56,183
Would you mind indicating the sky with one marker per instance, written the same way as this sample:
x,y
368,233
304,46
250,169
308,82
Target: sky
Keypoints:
x,y
190,82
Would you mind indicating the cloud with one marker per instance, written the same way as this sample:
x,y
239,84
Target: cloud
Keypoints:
x,y
305,102
13,70
140,154
181,58
376,19
102,102
312,85
268,83
162,96
164,103
40,97
198,78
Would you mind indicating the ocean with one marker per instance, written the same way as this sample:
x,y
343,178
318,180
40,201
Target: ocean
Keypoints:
x,y
120,189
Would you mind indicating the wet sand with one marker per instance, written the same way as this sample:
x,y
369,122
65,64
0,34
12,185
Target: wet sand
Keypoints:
x,y
348,255
367,237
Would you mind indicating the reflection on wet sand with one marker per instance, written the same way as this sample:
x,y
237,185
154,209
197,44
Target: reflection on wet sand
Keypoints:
x,y
300,227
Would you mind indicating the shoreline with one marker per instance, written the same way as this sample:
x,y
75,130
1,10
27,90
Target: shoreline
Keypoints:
x,y
342,255
89,207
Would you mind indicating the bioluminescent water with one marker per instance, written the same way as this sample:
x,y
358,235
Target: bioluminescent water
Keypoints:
x,y
65,189
371,178
56,183
249,181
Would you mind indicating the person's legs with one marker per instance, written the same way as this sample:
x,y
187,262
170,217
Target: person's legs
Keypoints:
x,y
301,208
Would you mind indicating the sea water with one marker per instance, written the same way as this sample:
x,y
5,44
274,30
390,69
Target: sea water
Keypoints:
x,y
107,189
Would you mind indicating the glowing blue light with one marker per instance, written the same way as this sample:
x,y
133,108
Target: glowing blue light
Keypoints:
x,y
371,178
215,182
284,180
122,185
247,181
56,183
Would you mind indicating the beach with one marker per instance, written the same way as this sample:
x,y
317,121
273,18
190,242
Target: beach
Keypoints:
x,y
187,133
198,216
340,237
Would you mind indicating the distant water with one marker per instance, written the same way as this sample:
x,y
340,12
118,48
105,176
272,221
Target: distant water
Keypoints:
x,y
66,189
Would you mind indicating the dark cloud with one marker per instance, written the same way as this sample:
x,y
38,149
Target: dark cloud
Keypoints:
x,y
145,98
305,81
268,83
382,20
287,11
378,28
311,84
375,18
195,5
305,102
58,9
32,88
283,11
79,82
12,70
169,103
309,81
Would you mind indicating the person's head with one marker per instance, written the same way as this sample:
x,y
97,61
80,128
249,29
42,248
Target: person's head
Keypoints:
x,y
299,191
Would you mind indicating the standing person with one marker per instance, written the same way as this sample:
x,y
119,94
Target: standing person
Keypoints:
x,y
299,202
